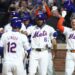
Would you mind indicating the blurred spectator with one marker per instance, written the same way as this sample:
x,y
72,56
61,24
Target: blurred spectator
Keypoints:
x,y
69,5
53,20
50,2
14,5
33,7
34,2
4,5
58,3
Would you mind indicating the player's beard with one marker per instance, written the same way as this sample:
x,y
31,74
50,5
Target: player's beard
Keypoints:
x,y
40,23
73,27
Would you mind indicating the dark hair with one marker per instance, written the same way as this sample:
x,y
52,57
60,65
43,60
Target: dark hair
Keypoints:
x,y
12,9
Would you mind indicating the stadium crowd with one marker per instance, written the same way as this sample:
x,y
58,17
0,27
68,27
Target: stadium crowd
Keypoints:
x,y
33,6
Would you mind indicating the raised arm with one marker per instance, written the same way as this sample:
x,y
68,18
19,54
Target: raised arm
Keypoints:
x,y
48,11
60,24
61,20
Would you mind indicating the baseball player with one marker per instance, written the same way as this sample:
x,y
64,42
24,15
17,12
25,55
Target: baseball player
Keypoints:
x,y
26,19
14,15
41,38
70,40
14,44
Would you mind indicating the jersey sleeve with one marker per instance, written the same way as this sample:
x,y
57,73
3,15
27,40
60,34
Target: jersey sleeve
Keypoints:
x,y
25,43
66,30
60,24
30,30
2,40
61,27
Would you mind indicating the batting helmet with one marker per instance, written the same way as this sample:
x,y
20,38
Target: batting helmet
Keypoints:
x,y
16,23
14,14
41,16
14,18
26,16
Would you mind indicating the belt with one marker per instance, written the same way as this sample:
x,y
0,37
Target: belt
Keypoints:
x,y
73,51
39,49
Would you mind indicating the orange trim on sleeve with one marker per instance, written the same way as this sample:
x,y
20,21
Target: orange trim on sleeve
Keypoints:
x,y
60,24
48,11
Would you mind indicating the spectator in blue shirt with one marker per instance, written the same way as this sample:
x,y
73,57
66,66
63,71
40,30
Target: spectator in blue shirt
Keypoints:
x,y
69,6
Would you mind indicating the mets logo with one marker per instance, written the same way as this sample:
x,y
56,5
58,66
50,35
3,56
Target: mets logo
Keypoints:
x,y
71,36
39,34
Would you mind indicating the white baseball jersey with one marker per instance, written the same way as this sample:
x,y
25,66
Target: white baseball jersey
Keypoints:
x,y
14,44
40,37
9,28
70,37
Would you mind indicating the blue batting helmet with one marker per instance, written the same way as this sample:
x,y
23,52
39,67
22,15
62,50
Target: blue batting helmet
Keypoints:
x,y
14,18
41,16
14,14
26,16
16,23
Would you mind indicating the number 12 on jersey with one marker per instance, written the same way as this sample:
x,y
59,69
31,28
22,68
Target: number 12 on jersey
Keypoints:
x,y
11,47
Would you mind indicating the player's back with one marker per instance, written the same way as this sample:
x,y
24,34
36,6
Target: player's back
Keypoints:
x,y
13,45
